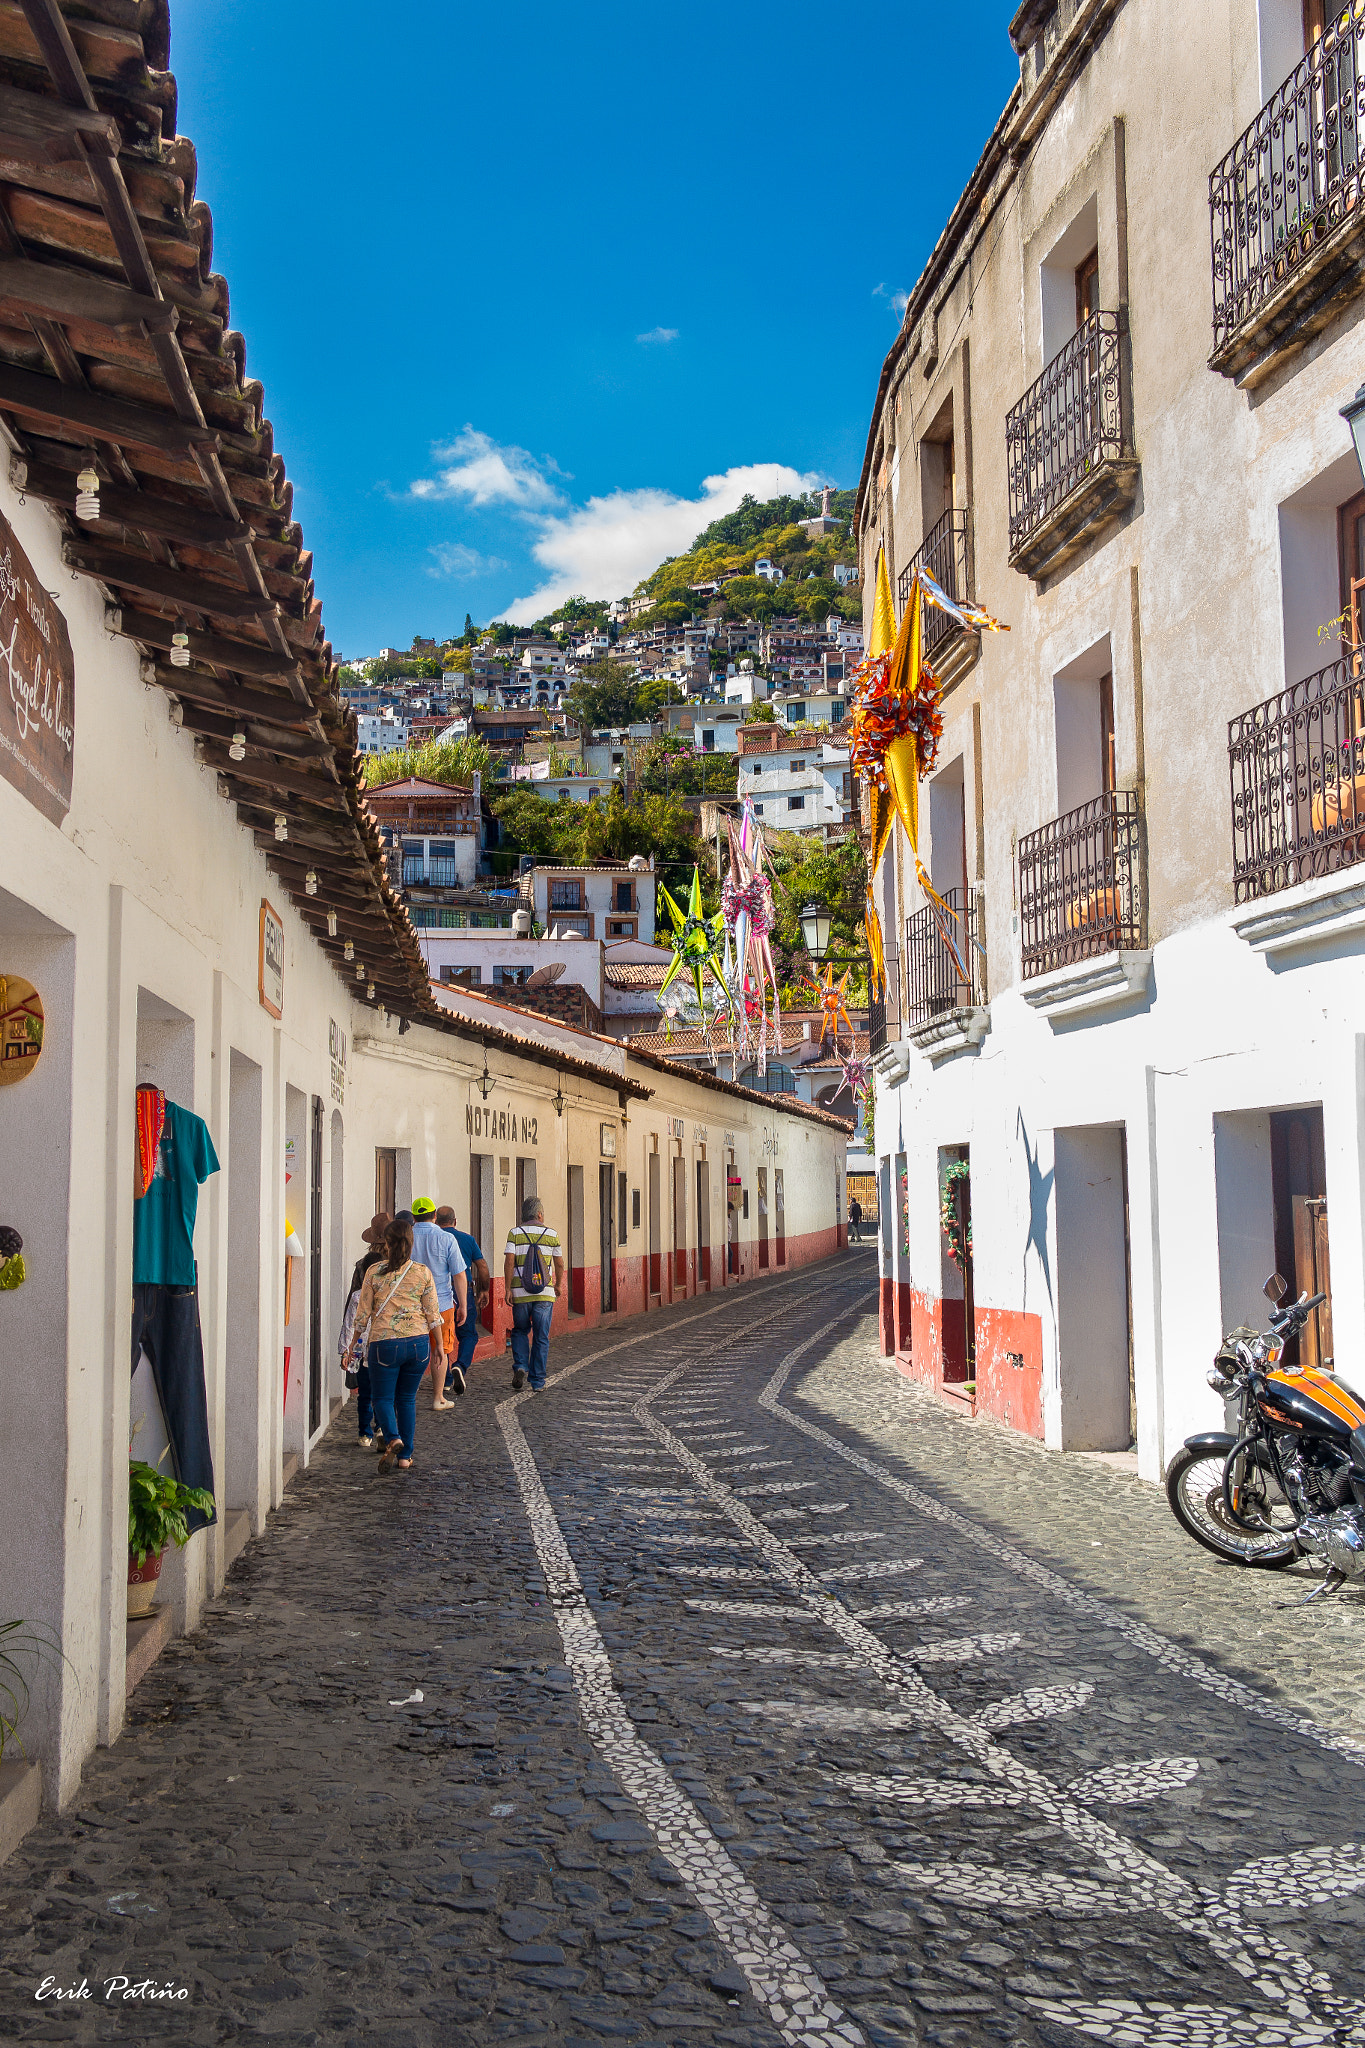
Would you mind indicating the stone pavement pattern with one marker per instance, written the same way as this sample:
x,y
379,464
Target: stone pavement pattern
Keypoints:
x,y
761,1701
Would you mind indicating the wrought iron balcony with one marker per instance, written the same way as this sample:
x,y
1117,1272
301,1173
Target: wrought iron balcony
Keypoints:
x,y
1287,222
876,1023
1066,447
1297,764
935,981
1080,884
944,554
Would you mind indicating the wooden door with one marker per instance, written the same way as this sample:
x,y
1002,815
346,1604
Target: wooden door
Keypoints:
x,y
606,1215
1313,1275
762,1219
655,1227
385,1180
679,1226
703,1227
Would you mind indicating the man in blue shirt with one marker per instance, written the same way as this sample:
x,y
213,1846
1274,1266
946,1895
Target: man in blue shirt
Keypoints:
x,y
437,1250
470,1331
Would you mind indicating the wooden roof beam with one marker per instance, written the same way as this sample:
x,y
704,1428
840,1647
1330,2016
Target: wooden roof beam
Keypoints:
x,y
191,686
41,132
153,630
140,509
99,418
261,737
266,774
58,291
114,566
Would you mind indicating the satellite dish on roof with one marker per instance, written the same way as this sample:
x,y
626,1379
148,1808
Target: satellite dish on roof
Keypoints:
x,y
543,976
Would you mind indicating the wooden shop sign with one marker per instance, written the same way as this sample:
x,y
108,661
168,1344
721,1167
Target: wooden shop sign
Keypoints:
x,y
37,685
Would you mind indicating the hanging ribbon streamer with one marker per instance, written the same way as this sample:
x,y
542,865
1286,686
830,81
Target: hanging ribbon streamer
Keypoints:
x,y
749,913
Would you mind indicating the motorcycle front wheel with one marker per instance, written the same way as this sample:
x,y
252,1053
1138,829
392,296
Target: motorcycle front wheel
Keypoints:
x,y
1194,1488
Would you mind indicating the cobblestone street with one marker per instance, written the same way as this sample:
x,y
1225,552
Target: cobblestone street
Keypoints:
x,y
733,1692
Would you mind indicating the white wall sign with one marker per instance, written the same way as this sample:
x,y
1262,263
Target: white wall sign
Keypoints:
x,y
270,960
336,1043
608,1141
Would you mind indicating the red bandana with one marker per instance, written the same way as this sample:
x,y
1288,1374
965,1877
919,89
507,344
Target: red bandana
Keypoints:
x,y
151,1121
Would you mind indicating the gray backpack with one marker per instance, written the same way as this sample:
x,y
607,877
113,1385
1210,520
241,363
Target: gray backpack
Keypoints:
x,y
535,1274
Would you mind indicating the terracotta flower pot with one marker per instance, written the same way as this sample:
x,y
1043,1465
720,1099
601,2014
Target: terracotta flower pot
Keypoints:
x,y
1100,906
142,1584
1343,803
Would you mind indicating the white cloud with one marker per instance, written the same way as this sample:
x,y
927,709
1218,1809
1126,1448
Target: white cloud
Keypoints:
x,y
603,548
894,296
477,469
453,558
659,334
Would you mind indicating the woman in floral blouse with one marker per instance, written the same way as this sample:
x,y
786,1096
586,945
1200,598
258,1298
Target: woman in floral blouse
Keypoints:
x,y
397,1316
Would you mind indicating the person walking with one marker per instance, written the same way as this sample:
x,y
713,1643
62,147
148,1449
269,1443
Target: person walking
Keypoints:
x,y
855,1220
531,1251
437,1250
477,1277
373,1241
398,1320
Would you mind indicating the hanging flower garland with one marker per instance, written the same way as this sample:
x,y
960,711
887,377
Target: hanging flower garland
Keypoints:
x,y
883,712
949,1216
755,896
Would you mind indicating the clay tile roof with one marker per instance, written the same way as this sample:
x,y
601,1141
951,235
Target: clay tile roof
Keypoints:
x,y
637,973
114,332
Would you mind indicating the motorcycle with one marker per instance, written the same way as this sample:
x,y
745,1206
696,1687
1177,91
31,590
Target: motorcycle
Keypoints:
x,y
1286,1479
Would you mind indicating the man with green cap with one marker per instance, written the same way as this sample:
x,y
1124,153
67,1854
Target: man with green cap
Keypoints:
x,y
437,1250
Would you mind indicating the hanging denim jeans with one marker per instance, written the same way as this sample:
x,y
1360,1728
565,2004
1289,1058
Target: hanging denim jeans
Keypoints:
x,y
166,1327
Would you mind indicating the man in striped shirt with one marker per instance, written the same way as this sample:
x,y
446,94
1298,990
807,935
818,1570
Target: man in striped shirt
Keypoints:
x,y
532,1307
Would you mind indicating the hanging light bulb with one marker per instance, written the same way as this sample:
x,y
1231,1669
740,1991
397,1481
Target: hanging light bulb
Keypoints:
x,y
281,825
332,925
88,489
237,751
360,970
370,991
310,882
383,1013
180,645
349,953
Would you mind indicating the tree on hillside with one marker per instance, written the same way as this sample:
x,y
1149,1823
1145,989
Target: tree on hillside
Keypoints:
x,y
654,693
614,830
603,694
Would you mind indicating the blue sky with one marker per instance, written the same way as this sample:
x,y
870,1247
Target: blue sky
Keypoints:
x,y
535,294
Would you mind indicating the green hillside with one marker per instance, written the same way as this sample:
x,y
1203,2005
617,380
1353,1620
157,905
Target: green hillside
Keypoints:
x,y
730,546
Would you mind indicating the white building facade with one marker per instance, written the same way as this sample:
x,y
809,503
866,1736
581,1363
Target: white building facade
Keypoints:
x,y
1136,1083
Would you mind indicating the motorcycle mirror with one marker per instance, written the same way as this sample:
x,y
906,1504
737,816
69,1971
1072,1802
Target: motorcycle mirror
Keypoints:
x,y
1276,1288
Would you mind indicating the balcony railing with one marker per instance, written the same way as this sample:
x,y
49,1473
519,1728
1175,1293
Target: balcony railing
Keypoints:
x,y
944,555
1297,764
934,981
1291,179
1079,884
1067,425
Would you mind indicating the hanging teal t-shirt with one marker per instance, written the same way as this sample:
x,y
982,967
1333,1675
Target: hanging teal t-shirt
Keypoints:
x,y
163,1218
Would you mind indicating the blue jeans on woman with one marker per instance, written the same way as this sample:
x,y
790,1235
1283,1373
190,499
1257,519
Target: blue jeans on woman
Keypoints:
x,y
364,1402
531,1339
397,1368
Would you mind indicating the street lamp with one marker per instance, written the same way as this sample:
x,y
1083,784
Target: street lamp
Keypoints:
x,y
815,923
1354,416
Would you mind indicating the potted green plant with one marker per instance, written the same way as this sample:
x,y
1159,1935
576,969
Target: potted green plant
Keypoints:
x,y
157,1507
